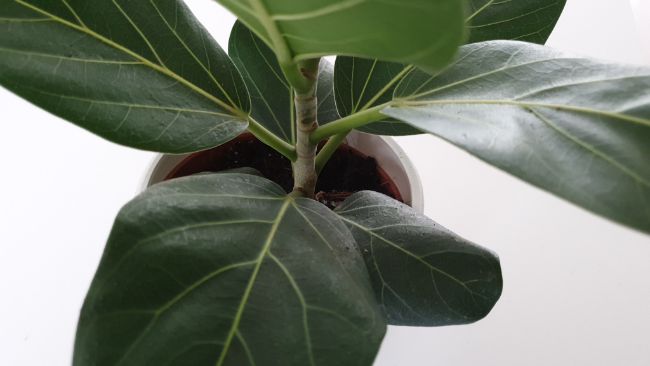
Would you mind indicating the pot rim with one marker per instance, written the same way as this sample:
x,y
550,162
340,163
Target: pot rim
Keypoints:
x,y
154,174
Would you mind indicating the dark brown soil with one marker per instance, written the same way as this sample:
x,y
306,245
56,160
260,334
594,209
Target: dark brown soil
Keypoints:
x,y
347,172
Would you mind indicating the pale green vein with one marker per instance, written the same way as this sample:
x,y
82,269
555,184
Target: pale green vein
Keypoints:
x,y
244,344
139,31
476,77
410,254
591,149
480,10
433,77
123,121
365,86
160,311
71,59
249,287
532,12
386,285
132,105
268,106
268,63
311,225
338,316
437,290
353,75
402,74
220,126
577,83
261,95
159,68
193,55
180,229
303,304
25,20
619,116
537,32
279,44
74,13
164,130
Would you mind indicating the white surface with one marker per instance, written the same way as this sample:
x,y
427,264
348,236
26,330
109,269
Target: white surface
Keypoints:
x,y
641,9
577,287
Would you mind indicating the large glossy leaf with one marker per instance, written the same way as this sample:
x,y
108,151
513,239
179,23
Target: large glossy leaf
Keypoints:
x,y
523,20
575,127
224,269
271,96
140,73
423,274
421,32
364,83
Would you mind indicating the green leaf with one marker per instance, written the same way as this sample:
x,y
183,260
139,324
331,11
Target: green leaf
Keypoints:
x,y
529,20
140,73
421,32
362,83
271,96
575,127
225,269
423,274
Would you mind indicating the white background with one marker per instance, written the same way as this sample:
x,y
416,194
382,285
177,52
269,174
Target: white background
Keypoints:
x,y
577,287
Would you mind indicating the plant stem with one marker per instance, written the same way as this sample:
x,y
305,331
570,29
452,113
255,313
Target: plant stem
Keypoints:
x,y
329,149
304,168
270,139
306,105
302,76
348,123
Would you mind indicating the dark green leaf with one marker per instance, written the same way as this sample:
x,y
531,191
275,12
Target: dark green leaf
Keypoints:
x,y
421,32
140,73
363,83
523,20
225,269
575,127
272,99
423,274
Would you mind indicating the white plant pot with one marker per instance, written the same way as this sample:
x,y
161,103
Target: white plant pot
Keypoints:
x,y
390,157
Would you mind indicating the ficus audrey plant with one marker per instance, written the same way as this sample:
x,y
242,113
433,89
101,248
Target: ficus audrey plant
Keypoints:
x,y
228,268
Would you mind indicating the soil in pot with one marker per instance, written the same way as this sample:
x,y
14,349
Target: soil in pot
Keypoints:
x,y
347,172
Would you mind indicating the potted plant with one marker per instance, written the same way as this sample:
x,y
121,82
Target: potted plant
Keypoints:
x,y
230,269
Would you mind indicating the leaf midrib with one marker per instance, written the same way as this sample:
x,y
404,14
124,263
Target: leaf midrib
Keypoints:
x,y
168,305
161,69
591,149
516,17
251,282
531,105
410,254
192,54
623,117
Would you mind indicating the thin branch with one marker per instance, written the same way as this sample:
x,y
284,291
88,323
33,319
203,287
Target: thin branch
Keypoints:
x,y
329,149
348,123
270,139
